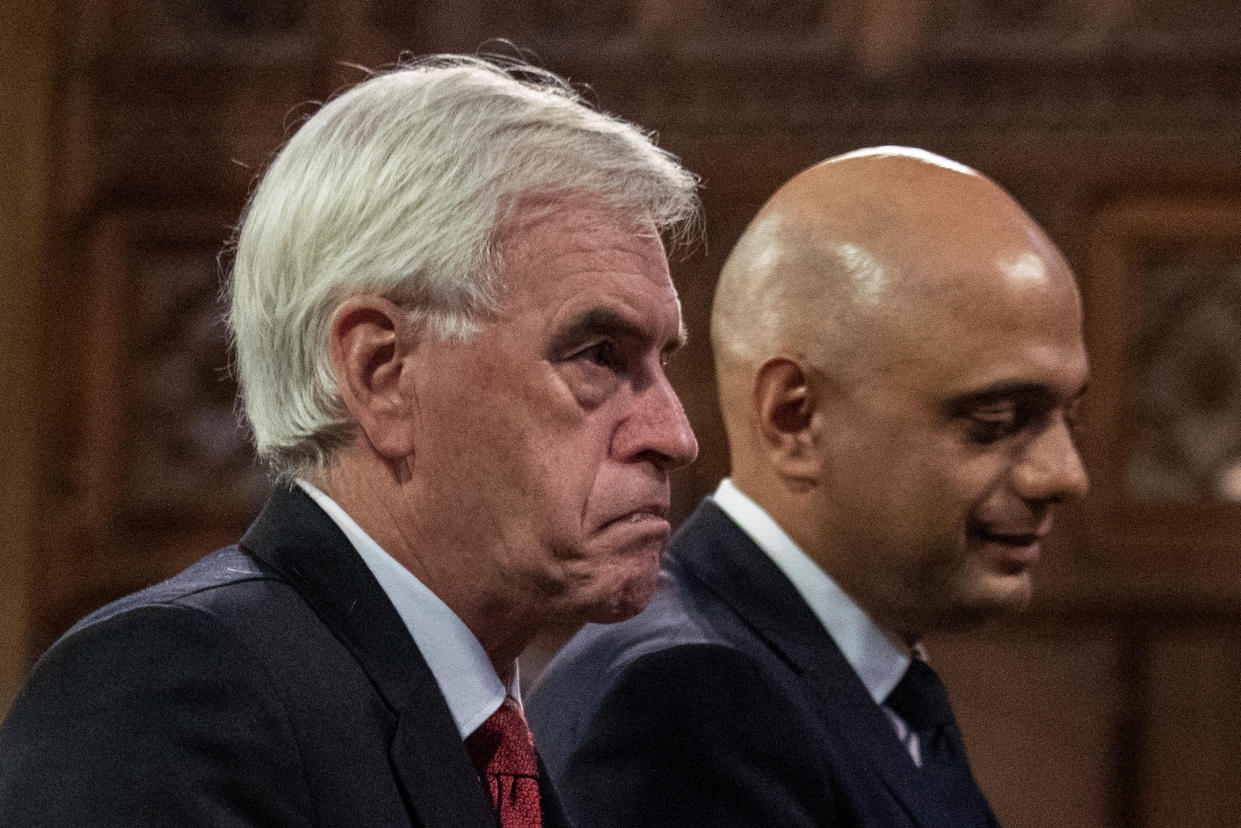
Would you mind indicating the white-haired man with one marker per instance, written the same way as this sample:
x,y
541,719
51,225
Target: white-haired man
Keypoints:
x,y
452,310
899,354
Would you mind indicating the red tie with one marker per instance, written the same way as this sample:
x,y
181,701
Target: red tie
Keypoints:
x,y
503,753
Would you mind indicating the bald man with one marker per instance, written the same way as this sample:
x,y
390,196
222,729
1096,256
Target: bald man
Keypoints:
x,y
899,354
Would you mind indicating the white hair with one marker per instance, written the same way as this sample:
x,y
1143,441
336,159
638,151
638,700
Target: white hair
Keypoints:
x,y
401,186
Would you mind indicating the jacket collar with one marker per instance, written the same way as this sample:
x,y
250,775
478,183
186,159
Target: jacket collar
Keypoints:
x,y
713,549
297,539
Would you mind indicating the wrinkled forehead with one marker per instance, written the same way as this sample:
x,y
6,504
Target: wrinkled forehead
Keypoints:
x,y
556,241
571,263
531,220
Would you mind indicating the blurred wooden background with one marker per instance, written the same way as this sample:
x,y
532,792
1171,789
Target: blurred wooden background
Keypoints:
x,y
131,133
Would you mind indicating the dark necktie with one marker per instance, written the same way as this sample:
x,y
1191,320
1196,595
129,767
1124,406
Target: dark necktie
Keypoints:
x,y
502,750
921,700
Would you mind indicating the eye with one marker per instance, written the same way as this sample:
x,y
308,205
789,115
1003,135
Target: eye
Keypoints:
x,y
994,422
603,353
594,370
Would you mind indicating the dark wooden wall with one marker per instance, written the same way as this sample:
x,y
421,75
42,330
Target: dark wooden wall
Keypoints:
x,y
25,103
1114,702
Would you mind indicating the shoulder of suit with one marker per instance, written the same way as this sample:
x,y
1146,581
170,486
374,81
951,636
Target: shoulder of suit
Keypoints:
x,y
229,569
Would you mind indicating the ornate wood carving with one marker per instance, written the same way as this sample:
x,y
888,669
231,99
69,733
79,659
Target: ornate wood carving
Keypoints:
x,y
1164,420
159,471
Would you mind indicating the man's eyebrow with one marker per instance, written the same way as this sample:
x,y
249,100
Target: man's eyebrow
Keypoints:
x,y
607,322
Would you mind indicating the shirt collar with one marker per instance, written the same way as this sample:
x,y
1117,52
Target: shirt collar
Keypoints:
x,y
458,661
878,657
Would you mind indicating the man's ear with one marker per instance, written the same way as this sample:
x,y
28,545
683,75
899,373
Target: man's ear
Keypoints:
x,y
785,404
370,354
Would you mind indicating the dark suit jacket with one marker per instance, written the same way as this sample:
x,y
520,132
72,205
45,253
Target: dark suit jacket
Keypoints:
x,y
725,703
272,683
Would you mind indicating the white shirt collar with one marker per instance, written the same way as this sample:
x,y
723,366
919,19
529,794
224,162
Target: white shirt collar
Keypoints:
x,y
456,658
878,657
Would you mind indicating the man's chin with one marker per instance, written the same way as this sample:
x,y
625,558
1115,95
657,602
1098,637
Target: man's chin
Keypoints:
x,y
982,600
999,594
623,600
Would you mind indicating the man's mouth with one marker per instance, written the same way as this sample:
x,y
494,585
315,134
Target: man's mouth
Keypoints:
x,y
652,513
1012,538
1012,550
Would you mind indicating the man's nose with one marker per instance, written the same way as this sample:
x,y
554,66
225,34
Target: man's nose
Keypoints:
x,y
1051,468
657,429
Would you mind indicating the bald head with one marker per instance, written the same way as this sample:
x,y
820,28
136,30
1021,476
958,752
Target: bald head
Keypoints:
x,y
865,234
852,259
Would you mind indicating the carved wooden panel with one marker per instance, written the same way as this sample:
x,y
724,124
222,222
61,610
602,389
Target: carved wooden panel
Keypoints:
x,y
166,447
1163,310
185,438
1185,379
160,470
179,99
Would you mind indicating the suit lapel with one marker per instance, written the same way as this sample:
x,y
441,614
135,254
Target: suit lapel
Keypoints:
x,y
432,765
297,539
553,812
715,550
